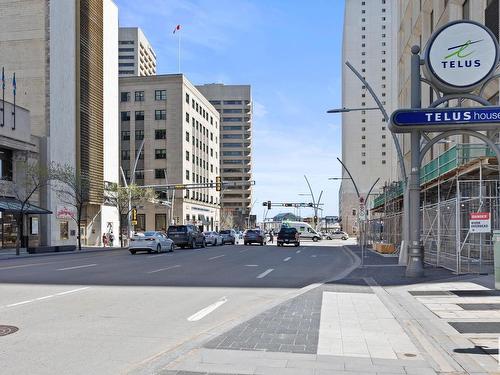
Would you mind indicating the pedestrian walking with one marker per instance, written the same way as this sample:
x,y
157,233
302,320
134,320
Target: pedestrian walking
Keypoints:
x,y
271,237
104,240
111,239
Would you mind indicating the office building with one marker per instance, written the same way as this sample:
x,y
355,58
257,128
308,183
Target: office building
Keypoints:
x,y
61,51
180,130
136,57
459,174
369,44
234,103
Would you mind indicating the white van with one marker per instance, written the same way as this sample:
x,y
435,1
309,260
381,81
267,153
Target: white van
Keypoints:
x,y
304,229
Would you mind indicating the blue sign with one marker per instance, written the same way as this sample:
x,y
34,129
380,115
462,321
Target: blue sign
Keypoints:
x,y
434,119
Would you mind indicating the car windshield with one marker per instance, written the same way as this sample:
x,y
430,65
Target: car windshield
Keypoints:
x,y
288,230
177,229
149,234
225,232
251,231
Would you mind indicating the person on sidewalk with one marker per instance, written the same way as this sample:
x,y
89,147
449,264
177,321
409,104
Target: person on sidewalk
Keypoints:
x,y
104,239
271,236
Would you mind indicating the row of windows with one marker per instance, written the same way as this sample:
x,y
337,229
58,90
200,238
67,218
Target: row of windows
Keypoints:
x,y
201,163
199,127
364,136
139,134
160,153
199,109
160,114
199,144
139,95
363,162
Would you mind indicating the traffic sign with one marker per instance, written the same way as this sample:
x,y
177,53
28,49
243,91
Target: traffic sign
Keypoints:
x,y
438,119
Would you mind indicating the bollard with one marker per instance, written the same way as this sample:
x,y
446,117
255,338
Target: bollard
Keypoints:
x,y
496,255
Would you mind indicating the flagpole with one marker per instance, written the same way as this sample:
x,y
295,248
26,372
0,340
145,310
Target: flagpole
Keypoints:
x,y
179,51
14,113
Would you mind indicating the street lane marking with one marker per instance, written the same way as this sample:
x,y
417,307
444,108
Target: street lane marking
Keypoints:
x,y
218,256
24,265
46,297
287,259
157,255
207,310
242,251
298,251
313,256
265,273
251,265
76,267
166,268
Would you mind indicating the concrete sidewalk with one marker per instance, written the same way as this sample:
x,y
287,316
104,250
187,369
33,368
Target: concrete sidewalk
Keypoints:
x,y
11,253
375,321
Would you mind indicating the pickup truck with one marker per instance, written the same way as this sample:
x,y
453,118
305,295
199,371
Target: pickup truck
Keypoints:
x,y
288,236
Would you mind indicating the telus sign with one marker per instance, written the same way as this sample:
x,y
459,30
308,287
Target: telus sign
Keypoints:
x,y
460,56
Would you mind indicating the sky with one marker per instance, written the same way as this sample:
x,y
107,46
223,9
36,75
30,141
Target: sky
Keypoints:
x,y
290,52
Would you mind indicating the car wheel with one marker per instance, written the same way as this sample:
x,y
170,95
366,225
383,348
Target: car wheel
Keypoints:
x,y
344,238
245,243
296,244
204,244
262,243
315,239
158,249
193,244
171,248
132,252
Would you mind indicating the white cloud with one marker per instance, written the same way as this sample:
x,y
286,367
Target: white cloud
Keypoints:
x,y
259,109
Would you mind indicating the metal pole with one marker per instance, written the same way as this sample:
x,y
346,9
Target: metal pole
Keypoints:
x,y
415,266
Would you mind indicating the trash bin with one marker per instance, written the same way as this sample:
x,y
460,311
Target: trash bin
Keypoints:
x,y
496,255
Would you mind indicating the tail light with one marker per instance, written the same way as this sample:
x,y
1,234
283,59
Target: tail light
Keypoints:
x,y
149,239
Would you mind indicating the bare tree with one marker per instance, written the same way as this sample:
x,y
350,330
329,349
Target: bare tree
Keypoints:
x,y
226,218
72,189
31,177
119,197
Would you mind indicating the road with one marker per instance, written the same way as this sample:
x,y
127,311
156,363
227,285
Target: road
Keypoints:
x,y
111,312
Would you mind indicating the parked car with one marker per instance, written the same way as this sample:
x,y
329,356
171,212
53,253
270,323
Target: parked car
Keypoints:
x,y
228,236
288,236
213,238
186,236
337,235
254,236
151,241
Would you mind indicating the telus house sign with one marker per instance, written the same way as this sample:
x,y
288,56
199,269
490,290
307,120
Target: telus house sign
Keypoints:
x,y
460,56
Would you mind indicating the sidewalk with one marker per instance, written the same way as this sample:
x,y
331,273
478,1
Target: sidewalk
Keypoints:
x,y
375,321
11,253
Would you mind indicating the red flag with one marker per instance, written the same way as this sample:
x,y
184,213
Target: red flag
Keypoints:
x,y
178,27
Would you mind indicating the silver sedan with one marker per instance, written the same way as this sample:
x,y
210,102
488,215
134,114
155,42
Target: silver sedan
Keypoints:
x,y
213,238
151,242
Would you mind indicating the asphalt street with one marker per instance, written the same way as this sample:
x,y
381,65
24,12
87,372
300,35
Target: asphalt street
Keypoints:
x,y
111,312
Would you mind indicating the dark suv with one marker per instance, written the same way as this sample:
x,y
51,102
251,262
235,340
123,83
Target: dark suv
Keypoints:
x,y
186,236
288,236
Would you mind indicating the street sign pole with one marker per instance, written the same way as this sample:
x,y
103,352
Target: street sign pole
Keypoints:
x,y
415,266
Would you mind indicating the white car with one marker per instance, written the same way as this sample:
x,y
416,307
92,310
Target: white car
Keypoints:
x,y
151,241
213,238
337,235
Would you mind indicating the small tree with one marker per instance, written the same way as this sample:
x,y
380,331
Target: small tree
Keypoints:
x,y
72,189
226,218
120,196
31,177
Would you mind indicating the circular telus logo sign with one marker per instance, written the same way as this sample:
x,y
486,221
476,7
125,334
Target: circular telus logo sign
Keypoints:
x,y
460,56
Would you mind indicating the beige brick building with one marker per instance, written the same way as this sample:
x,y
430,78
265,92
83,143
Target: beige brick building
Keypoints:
x,y
181,132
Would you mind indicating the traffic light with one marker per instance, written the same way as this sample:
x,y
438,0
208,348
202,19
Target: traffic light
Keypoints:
x,y
268,205
309,205
134,214
315,220
218,183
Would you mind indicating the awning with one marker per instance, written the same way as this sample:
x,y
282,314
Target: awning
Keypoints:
x,y
14,206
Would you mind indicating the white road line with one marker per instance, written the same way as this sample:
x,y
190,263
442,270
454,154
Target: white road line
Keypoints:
x,y
242,251
265,273
47,297
287,259
313,256
207,310
298,251
218,256
76,267
24,265
251,265
166,268
157,255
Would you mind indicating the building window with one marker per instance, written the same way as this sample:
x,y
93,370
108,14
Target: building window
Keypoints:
x,y
491,16
187,117
383,127
125,116
383,144
383,161
187,155
383,136
141,157
6,164
187,176
466,10
124,96
187,98
363,145
139,96
363,137
125,154
159,173
139,135
363,162
363,129
139,115
160,133
141,223
160,94
383,153
161,222
363,153
125,135
64,230
160,153
160,114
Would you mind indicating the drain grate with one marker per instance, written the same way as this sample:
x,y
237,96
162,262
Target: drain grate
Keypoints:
x,y
7,330
418,293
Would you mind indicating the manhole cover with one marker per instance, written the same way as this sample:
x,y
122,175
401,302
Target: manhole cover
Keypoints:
x,y
7,330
